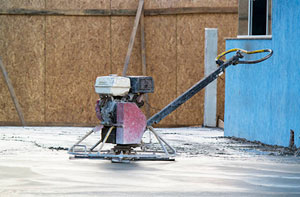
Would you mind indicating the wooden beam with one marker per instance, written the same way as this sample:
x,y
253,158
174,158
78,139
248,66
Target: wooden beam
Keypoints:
x,y
143,47
143,54
191,10
132,37
121,12
12,93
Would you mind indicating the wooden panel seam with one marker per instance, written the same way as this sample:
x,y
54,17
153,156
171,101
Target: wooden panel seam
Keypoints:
x,y
121,12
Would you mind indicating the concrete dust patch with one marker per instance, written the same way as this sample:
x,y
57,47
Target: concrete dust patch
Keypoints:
x,y
34,162
261,148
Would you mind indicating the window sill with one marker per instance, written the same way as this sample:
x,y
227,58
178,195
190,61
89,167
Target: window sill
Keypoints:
x,y
246,37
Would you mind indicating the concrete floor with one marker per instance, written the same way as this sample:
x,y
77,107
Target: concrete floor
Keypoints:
x,y
207,165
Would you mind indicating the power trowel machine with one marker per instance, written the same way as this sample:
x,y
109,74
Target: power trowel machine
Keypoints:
x,y
123,124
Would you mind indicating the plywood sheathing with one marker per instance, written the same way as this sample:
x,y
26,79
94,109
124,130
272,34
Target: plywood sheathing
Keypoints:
x,y
160,4
24,4
155,4
115,4
125,4
78,4
160,35
23,59
190,68
121,28
78,50
166,56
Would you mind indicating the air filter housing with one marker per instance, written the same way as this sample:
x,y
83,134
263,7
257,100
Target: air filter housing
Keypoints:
x,y
141,84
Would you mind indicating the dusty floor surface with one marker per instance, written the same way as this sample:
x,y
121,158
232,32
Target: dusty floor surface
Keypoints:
x,y
33,164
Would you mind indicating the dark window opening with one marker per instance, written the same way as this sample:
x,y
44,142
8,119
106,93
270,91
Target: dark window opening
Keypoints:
x,y
255,17
259,14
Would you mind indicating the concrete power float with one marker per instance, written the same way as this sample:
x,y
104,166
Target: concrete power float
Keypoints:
x,y
123,124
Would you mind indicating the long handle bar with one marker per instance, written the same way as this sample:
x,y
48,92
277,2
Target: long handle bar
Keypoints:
x,y
156,118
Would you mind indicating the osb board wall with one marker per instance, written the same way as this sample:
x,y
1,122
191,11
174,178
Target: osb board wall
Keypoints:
x,y
53,60
77,52
78,4
155,4
22,52
190,68
29,4
161,62
121,28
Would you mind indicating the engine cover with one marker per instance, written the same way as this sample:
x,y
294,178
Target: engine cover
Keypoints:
x,y
120,86
112,85
131,124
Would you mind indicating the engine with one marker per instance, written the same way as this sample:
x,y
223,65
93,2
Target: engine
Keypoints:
x,y
119,105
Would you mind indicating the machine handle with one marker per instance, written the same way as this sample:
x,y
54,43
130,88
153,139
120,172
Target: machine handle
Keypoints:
x,y
156,118
220,62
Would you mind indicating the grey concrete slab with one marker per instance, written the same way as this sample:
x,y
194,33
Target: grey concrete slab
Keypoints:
x,y
207,165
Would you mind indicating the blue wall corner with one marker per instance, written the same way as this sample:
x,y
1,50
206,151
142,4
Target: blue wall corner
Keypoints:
x,y
262,101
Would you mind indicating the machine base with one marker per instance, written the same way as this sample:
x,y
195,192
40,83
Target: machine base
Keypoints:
x,y
122,158
124,154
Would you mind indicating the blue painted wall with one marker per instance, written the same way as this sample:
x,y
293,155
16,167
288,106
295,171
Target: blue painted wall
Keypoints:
x,y
262,101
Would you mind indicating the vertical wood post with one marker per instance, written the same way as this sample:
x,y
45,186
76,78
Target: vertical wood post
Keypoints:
x,y
143,53
210,100
132,37
12,93
143,47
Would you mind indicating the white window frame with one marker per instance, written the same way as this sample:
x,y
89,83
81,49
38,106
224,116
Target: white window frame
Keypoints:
x,y
250,19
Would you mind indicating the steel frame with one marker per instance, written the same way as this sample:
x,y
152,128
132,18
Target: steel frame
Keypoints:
x,y
133,155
